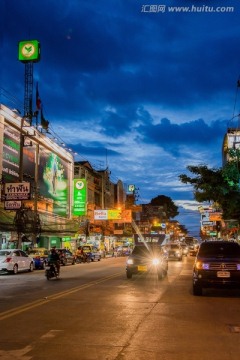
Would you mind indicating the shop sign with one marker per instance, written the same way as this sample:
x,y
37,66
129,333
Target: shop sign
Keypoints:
x,y
17,191
12,205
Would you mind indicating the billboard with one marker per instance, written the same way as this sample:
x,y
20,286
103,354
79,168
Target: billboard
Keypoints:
x,y
53,188
53,181
119,216
11,154
79,197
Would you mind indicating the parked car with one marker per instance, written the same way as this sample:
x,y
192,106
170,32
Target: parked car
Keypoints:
x,y
92,252
173,251
66,257
123,250
15,260
147,259
40,257
217,264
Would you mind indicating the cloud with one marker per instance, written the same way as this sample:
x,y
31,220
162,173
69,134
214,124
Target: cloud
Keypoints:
x,y
146,93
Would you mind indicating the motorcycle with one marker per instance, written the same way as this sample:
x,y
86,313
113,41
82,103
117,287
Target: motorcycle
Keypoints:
x,y
84,258
51,271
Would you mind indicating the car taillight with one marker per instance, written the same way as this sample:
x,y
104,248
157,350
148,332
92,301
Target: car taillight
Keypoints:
x,y
200,265
8,260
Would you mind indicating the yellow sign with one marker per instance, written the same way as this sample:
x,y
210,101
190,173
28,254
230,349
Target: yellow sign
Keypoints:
x,y
114,214
215,216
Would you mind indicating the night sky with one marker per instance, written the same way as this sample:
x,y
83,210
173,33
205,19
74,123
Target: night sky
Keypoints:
x,y
142,87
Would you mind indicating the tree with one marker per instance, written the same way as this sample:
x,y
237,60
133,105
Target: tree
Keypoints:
x,y
208,184
170,209
216,185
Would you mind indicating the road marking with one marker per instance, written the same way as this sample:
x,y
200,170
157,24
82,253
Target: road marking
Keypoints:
x,y
50,334
16,354
34,304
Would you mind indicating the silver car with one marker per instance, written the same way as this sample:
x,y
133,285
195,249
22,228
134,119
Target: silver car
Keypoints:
x,y
15,260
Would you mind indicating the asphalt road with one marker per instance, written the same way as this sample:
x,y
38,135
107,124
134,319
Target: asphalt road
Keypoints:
x,y
94,312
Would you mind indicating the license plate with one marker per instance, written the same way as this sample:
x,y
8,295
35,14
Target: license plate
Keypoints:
x,y
223,274
142,268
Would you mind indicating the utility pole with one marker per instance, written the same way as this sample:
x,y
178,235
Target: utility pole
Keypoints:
x,y
35,199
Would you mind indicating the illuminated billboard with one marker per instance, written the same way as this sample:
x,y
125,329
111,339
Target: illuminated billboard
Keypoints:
x,y
11,149
119,216
53,188
28,51
79,197
53,181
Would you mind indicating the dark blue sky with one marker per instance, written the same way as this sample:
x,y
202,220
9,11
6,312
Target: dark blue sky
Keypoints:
x,y
145,92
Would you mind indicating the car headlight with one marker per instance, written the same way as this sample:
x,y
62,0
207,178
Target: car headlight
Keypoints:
x,y
129,261
155,261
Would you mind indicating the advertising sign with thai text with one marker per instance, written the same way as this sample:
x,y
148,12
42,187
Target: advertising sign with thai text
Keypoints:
x,y
12,205
17,191
79,197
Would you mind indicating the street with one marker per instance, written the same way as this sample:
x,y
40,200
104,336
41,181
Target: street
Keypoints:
x,y
94,312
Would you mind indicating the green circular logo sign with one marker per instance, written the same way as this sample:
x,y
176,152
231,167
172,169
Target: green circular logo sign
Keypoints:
x,y
29,51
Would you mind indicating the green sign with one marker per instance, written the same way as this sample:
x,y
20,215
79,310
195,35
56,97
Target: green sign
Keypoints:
x,y
79,196
131,188
29,51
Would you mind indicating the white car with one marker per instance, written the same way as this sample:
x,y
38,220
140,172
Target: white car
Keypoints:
x,y
15,260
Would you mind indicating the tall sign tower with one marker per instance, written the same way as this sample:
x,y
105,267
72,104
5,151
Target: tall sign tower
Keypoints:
x,y
28,53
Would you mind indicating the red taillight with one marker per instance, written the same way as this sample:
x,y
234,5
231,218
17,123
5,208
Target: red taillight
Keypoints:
x,y
8,260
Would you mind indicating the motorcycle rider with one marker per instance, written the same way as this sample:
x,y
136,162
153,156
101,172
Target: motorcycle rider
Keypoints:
x,y
79,253
54,259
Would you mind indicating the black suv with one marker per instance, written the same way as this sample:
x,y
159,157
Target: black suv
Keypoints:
x,y
217,264
149,258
